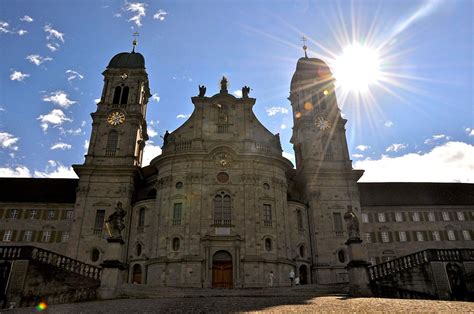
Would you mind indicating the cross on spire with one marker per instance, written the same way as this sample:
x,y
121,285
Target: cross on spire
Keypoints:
x,y
303,39
134,43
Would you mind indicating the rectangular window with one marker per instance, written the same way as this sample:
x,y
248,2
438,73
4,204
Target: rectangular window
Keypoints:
x,y
368,237
33,213
65,236
365,217
398,217
403,236
69,214
460,216
436,236
267,215
466,235
27,235
46,236
431,216
385,237
416,216
419,236
338,224
446,216
13,214
7,236
99,221
177,207
451,236
381,217
51,214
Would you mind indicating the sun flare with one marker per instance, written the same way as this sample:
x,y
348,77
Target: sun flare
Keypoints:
x,y
357,68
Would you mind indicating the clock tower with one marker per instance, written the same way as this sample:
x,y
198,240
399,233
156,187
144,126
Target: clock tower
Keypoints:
x,y
113,161
323,167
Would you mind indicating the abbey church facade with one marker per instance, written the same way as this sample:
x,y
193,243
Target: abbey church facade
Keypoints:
x,y
221,206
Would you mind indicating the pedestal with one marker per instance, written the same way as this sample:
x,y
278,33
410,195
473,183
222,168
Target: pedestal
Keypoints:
x,y
112,268
357,269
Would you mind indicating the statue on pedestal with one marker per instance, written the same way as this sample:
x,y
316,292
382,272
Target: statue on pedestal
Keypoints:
x,y
224,85
115,223
245,91
202,90
352,223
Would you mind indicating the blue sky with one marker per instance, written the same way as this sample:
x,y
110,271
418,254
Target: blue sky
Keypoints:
x,y
415,124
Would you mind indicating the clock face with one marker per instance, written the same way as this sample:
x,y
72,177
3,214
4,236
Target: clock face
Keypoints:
x,y
116,118
322,123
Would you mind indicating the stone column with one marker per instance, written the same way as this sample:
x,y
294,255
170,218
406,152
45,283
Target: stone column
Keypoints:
x,y
357,269
112,269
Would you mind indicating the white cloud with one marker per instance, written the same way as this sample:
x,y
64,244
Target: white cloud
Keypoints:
x,y
59,98
62,146
182,116
149,152
53,33
290,156
97,100
469,131
274,110
362,148
357,155
138,9
117,15
283,126
18,76
395,147
86,145
388,124
52,46
155,97
238,93
73,75
22,32
27,18
436,137
7,140
55,169
19,171
449,162
160,15
4,27
37,59
55,117
151,132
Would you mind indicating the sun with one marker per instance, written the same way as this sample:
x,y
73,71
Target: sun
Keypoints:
x,y
357,68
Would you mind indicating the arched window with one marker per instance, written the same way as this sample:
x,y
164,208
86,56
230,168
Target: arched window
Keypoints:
x,y
117,92
124,98
299,219
222,205
138,249
341,256
112,142
302,251
268,244
141,218
137,274
95,254
176,243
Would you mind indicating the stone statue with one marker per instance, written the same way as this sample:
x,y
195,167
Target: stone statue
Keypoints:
x,y
115,223
245,91
352,223
224,85
165,138
202,90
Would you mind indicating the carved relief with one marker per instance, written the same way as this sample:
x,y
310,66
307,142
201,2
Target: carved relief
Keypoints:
x,y
250,179
164,182
223,159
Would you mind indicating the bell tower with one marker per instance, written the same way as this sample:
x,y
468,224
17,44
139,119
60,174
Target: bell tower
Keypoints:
x,y
112,164
323,166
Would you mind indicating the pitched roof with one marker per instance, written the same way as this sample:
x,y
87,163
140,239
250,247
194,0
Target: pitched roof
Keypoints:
x,y
25,190
408,193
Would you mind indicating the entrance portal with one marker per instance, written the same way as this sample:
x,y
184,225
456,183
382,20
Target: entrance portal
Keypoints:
x,y
303,275
222,270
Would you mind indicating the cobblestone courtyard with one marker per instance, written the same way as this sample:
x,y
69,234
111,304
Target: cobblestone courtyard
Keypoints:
x,y
326,304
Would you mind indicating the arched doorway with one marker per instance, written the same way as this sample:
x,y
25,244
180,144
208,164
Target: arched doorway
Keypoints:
x,y
222,270
456,281
303,275
137,274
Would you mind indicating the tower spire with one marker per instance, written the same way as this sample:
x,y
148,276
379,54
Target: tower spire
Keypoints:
x,y
134,43
303,39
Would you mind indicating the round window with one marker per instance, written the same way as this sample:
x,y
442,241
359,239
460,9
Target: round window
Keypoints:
x,y
95,254
222,177
179,185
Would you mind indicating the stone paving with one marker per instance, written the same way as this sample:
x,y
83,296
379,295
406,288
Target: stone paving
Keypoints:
x,y
293,304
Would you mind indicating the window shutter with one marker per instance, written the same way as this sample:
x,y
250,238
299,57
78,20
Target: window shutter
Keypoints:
x,y
372,237
53,236
379,237
14,235
422,216
63,214
438,216
390,236
430,235
377,260
443,235
371,217
26,213
2,211
425,235
44,214
58,236
425,216
22,234
397,236
453,216
34,236
458,234
2,233
392,216
470,215
472,234
39,235
408,234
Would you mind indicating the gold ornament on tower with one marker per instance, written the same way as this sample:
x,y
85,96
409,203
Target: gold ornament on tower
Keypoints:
x,y
116,118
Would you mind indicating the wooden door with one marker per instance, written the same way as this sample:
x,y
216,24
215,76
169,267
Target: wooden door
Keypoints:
x,y
222,275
